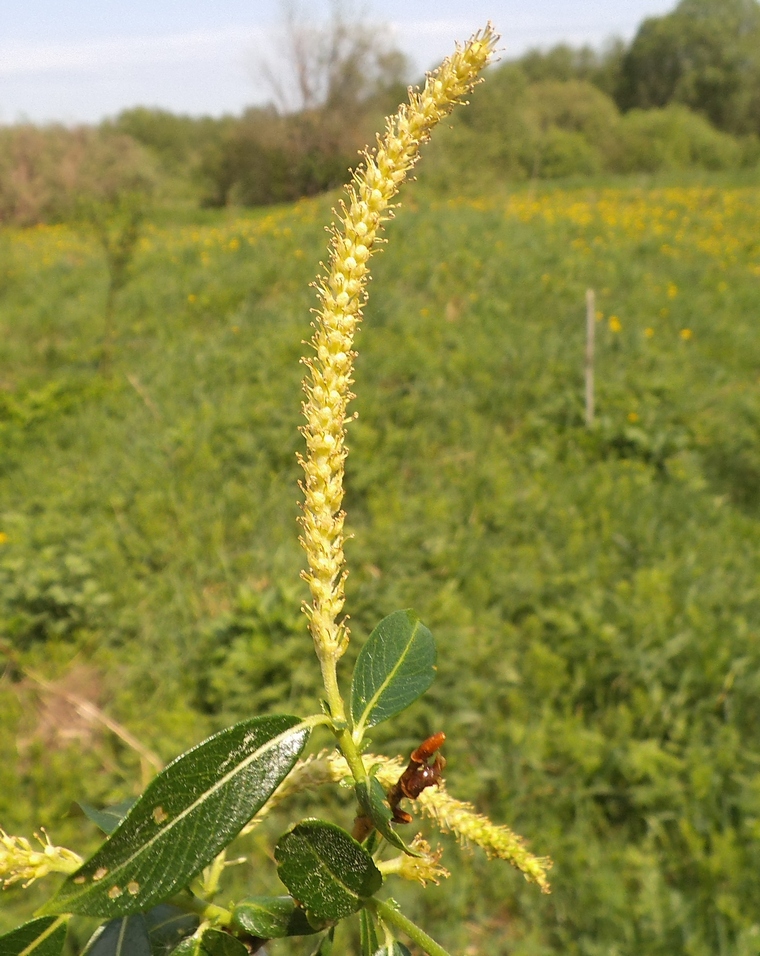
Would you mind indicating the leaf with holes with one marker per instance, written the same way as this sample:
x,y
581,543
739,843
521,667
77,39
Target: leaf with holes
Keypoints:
x,y
394,668
271,917
188,813
326,869
126,936
41,937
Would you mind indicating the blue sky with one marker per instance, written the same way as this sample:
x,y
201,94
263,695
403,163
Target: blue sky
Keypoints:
x,y
81,60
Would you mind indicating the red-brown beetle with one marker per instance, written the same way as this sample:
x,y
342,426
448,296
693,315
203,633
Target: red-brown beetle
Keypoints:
x,y
418,776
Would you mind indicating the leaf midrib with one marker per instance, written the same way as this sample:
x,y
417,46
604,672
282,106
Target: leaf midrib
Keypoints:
x,y
334,875
39,940
359,729
270,744
122,934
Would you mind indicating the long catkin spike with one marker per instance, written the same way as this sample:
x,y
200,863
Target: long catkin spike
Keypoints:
x,y
342,294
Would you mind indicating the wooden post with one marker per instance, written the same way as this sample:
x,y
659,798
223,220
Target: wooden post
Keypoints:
x,y
590,328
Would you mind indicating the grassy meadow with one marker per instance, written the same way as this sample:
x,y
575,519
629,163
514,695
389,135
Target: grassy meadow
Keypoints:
x,y
594,592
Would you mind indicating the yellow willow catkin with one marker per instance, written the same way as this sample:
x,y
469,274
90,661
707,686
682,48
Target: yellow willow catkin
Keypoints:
x,y
20,861
454,816
342,295
457,817
446,812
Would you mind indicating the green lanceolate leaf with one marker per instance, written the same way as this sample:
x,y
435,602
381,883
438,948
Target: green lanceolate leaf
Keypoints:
x,y
218,943
167,926
326,869
373,804
109,817
126,936
188,813
271,917
394,668
395,949
41,937
367,934
325,945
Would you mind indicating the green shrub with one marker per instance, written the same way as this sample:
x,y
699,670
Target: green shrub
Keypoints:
x,y
555,128
672,138
574,106
48,596
561,152
575,124
252,652
563,62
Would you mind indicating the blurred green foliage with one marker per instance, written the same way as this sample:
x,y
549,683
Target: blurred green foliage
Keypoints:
x,y
705,54
552,128
593,592
683,94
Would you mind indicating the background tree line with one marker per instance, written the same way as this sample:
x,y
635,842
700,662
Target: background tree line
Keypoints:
x,y
685,92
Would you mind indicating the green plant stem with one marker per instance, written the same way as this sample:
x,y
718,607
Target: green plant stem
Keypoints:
x,y
388,914
387,867
338,713
214,871
207,911
317,720
329,665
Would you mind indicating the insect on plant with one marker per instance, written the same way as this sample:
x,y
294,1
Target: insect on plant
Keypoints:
x,y
152,882
418,776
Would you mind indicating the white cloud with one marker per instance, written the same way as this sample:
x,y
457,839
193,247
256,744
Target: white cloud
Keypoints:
x,y
98,54
95,55
213,70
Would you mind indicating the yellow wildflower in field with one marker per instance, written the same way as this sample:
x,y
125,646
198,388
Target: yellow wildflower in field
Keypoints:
x,y
615,324
690,224
686,334
649,332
